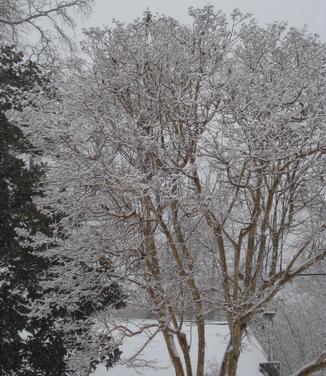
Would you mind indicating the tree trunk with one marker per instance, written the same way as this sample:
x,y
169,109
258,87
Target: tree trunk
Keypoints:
x,y
231,357
176,361
316,365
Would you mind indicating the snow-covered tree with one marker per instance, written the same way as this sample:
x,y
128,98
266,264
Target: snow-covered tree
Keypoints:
x,y
186,146
28,346
296,334
35,345
46,21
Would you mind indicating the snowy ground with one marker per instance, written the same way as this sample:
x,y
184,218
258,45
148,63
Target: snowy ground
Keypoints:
x,y
216,340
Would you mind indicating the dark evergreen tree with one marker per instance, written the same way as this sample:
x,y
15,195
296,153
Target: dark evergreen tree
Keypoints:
x,y
30,345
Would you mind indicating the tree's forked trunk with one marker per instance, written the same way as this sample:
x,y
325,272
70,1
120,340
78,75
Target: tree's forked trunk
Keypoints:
x,y
231,356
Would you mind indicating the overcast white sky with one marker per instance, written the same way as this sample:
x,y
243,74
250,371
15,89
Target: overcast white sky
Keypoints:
x,y
295,12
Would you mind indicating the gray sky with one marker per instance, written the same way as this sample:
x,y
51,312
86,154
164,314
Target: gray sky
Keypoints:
x,y
295,12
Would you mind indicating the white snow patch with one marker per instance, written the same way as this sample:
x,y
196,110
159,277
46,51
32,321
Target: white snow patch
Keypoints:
x,y
156,352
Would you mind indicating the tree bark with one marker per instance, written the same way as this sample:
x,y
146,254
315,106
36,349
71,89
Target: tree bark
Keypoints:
x,y
316,365
231,356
